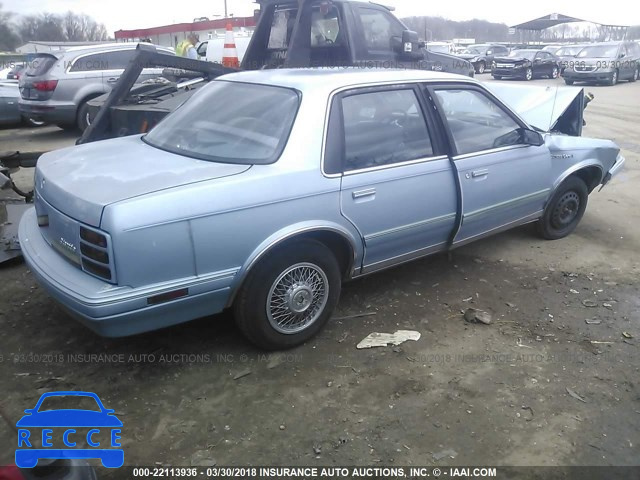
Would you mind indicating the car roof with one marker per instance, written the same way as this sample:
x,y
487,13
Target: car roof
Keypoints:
x,y
107,47
329,79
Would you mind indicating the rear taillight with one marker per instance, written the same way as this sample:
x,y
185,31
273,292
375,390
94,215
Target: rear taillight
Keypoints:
x,y
94,251
45,85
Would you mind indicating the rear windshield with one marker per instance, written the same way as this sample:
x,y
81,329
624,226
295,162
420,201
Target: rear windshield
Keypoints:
x,y
40,64
230,122
598,51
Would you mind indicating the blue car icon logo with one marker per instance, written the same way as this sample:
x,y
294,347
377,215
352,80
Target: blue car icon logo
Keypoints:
x,y
69,433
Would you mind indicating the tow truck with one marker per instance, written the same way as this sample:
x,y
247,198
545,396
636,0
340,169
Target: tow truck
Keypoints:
x,y
288,34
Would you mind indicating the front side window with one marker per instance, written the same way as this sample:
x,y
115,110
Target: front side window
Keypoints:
x,y
476,122
378,29
383,128
230,122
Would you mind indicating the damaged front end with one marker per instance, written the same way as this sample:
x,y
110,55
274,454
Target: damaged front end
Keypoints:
x,y
549,109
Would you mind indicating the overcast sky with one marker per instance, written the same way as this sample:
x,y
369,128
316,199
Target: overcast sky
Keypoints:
x,y
132,14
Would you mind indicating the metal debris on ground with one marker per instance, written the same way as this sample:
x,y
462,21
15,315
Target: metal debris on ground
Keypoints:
x,y
241,374
575,395
445,453
593,321
376,339
473,315
627,335
589,303
356,315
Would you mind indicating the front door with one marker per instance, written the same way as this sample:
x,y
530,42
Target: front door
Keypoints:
x,y
398,190
502,180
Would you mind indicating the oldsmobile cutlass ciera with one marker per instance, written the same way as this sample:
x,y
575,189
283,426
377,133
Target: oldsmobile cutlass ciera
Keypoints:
x,y
266,190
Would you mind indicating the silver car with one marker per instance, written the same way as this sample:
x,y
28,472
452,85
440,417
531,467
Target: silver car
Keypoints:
x,y
297,181
55,87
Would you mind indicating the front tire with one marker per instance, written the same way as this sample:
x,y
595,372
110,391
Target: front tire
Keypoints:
x,y
497,77
289,295
528,74
565,209
481,67
83,117
554,73
634,77
614,78
568,82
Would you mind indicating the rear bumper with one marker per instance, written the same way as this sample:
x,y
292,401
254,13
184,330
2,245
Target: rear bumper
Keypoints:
x,y
113,311
50,112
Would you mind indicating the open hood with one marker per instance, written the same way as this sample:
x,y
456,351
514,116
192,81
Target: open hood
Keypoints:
x,y
550,109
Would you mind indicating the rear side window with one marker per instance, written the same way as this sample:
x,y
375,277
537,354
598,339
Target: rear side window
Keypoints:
x,y
103,61
476,122
40,65
383,128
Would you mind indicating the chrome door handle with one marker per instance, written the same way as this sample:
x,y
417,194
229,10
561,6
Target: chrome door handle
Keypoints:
x,y
113,79
480,173
363,193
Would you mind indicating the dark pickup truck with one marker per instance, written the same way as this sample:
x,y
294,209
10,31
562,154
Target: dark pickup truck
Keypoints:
x,y
288,34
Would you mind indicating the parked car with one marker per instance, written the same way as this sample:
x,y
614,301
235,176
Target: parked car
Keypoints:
x,y
296,181
9,109
607,62
481,56
56,86
567,55
526,64
440,47
551,48
15,72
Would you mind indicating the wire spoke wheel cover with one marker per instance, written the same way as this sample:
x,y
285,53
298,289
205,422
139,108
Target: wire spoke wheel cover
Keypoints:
x,y
566,210
297,298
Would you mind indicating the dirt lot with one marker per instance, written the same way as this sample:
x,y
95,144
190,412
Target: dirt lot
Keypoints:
x,y
539,386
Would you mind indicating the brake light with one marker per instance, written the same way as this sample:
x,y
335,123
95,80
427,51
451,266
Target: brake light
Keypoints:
x,y
46,85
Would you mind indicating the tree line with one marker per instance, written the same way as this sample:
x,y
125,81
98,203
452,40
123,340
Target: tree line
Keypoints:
x,y
69,27
435,29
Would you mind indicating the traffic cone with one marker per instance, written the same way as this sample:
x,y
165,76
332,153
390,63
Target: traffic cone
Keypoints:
x,y
230,55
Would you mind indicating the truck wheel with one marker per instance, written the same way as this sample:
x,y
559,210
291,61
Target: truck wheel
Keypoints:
x,y
614,78
565,209
568,82
289,295
481,67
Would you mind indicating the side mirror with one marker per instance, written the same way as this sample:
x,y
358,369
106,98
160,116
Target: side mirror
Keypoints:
x,y
256,14
621,55
489,52
410,46
531,137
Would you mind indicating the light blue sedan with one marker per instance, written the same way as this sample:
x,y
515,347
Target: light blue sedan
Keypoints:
x,y
268,189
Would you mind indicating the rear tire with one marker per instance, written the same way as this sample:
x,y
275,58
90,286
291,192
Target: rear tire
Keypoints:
x,y
289,295
634,77
497,77
568,82
565,209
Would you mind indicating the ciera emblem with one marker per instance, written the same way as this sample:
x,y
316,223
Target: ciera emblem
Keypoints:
x,y
67,245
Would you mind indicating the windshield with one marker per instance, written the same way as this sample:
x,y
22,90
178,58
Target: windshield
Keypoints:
x,y
230,122
529,54
598,51
475,50
69,402
568,51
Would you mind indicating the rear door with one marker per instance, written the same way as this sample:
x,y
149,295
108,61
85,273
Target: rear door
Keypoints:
x,y
398,188
503,182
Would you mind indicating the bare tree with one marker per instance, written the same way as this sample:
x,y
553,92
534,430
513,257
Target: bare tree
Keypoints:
x,y
9,39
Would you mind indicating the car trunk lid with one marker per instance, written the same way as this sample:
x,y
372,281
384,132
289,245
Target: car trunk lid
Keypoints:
x,y
80,181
